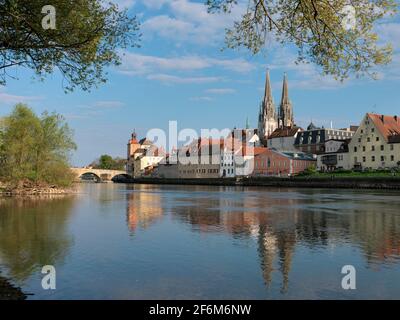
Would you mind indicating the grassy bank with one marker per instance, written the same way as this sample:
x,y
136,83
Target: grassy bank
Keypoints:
x,y
349,182
353,174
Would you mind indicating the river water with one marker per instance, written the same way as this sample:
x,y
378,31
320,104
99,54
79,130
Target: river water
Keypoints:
x,y
194,242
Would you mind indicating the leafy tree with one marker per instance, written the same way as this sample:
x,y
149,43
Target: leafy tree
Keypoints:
x,y
319,29
35,148
18,144
85,40
311,170
107,162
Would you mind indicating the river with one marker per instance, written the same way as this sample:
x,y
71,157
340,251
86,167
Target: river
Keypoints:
x,y
116,241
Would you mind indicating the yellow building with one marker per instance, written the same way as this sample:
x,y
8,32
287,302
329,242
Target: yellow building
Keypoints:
x,y
142,155
376,144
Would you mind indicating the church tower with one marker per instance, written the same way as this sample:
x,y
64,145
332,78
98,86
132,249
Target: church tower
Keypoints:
x,y
285,108
267,122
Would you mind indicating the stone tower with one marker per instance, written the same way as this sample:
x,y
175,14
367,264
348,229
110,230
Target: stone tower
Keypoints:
x,y
285,108
267,122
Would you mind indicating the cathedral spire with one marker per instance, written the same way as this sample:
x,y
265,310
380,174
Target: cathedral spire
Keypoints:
x,y
267,120
268,90
285,90
285,109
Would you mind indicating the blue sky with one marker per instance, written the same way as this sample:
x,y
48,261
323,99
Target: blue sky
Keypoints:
x,y
180,73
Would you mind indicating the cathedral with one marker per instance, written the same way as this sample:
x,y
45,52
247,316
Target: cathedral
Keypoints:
x,y
271,119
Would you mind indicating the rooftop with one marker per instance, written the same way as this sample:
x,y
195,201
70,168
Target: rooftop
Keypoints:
x,y
388,126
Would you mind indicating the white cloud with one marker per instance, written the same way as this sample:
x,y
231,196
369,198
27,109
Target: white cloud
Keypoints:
x,y
8,98
141,64
302,75
220,91
167,27
108,104
201,99
159,68
190,22
154,4
170,79
136,64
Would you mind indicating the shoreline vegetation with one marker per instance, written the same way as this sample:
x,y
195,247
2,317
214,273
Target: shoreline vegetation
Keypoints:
x,y
9,291
329,182
28,188
34,153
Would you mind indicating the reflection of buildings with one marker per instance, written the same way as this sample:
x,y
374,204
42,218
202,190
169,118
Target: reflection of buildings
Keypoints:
x,y
280,224
143,209
378,232
276,236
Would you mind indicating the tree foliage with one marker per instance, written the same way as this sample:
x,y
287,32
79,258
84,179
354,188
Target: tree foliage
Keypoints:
x,y
35,148
107,162
86,39
320,29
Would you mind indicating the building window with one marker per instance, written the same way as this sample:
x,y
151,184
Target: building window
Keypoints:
x,y
363,148
373,148
382,147
355,149
392,158
382,158
373,130
368,139
359,140
364,159
373,159
391,147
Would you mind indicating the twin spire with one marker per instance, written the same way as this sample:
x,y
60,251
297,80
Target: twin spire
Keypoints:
x,y
270,119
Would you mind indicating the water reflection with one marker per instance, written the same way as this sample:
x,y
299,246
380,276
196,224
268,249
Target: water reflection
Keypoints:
x,y
204,242
281,221
144,208
33,233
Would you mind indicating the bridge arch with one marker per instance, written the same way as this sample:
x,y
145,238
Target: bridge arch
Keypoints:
x,y
87,175
100,174
123,177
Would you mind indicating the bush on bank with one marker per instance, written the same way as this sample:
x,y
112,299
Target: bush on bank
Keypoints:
x,y
35,148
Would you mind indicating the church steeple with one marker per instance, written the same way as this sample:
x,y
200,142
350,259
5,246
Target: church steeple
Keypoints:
x,y
268,98
267,119
285,108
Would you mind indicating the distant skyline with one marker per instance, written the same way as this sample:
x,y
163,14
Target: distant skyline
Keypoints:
x,y
180,73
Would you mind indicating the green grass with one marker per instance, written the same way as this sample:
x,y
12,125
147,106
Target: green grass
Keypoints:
x,y
353,174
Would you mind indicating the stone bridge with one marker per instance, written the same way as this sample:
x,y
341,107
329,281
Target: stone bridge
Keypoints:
x,y
102,175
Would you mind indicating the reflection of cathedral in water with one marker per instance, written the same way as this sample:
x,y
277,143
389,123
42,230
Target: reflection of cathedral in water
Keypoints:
x,y
280,224
143,209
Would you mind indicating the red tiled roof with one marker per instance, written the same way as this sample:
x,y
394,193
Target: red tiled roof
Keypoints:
x,y
285,132
249,150
388,126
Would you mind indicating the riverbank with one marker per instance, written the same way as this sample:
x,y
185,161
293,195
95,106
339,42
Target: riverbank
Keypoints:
x,y
10,292
390,183
27,188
